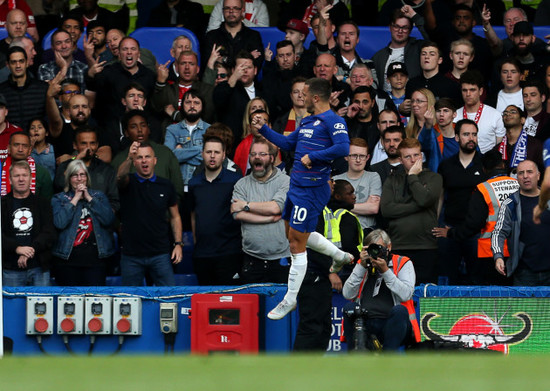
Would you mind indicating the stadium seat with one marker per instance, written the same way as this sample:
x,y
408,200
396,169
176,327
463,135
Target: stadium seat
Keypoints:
x,y
3,33
159,40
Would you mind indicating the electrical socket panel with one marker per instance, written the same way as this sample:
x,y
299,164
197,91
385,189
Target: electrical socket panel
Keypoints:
x,y
40,315
98,315
127,316
70,315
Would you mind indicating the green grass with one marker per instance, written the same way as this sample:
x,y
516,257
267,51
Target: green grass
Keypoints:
x,y
446,372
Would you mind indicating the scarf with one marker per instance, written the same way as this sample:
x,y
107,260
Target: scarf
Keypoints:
x,y
519,153
6,185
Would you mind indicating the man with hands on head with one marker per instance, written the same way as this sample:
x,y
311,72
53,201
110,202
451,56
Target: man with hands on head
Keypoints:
x,y
321,138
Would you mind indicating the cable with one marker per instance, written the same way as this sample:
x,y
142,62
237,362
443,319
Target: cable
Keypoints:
x,y
66,343
92,343
169,342
39,340
119,347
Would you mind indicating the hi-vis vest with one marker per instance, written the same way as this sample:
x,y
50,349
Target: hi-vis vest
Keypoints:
x,y
494,192
332,227
398,262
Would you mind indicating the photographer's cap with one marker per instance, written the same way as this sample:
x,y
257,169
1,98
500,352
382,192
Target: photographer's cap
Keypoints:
x,y
524,28
397,67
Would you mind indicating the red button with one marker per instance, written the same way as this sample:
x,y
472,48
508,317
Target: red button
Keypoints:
x,y
67,325
95,325
41,325
123,325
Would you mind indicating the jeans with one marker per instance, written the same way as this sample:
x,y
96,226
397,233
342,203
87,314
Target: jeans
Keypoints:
x,y
133,270
29,277
523,276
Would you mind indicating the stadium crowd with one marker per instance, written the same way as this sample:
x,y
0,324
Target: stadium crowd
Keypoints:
x,y
448,142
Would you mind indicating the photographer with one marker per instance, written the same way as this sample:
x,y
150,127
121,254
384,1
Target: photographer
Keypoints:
x,y
382,285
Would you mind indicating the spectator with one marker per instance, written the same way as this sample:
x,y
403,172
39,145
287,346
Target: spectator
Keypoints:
x,y
95,45
110,81
146,201
257,202
325,68
517,145
167,97
102,175
90,10
367,185
432,78
180,44
136,128
27,232
409,202
398,78
322,27
422,103
488,119
7,6
16,27
6,129
74,27
361,75
462,53
481,217
296,32
63,50
511,94
25,96
289,122
19,149
84,220
231,97
527,242
386,118
278,76
179,13
255,14
391,138
233,35
461,173
385,291
537,123
27,44
402,48
241,158
437,135
217,255
42,151
185,137
360,119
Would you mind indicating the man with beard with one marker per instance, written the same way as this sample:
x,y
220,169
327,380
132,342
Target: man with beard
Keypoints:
x,y
391,138
167,97
517,145
95,44
217,255
62,45
321,138
359,118
258,201
185,137
146,201
537,123
63,132
461,174
533,59
102,175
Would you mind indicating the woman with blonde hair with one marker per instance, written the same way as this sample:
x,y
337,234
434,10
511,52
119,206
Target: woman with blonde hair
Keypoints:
x,y
422,100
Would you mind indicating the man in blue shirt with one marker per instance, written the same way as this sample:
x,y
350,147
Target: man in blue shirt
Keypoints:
x,y
321,138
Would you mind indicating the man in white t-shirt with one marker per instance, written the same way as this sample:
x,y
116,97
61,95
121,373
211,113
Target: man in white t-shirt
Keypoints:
x,y
488,119
511,94
367,185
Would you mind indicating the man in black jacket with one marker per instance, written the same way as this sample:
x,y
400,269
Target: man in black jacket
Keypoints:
x,y
27,232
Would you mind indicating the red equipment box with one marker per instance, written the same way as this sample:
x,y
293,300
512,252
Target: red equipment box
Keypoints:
x,y
224,322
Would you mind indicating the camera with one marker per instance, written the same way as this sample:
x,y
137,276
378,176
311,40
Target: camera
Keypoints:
x,y
377,251
357,315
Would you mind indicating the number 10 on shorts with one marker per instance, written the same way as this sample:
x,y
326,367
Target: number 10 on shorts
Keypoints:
x,y
300,214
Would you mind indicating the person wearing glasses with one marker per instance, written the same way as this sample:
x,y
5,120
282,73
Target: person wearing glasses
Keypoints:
x,y
402,48
517,145
233,35
258,200
367,185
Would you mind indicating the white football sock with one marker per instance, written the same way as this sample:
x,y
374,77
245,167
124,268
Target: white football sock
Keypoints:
x,y
322,245
296,275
